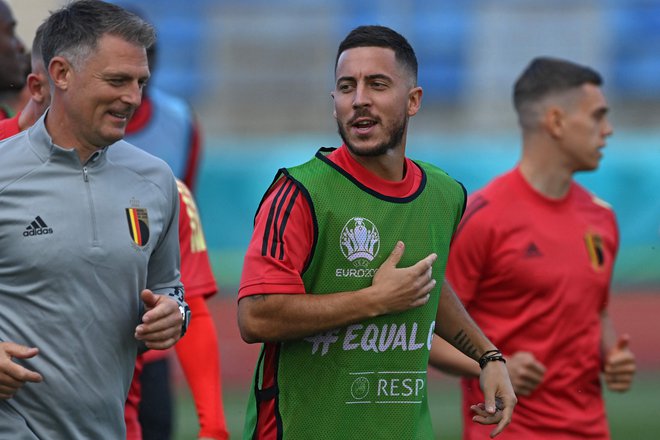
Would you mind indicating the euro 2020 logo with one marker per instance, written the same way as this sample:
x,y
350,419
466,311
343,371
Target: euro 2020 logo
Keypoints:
x,y
359,240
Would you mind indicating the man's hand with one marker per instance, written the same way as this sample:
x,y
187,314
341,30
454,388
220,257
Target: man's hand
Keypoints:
x,y
620,366
525,371
161,323
12,375
499,398
400,289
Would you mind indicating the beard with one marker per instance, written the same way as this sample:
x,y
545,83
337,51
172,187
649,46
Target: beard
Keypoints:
x,y
393,140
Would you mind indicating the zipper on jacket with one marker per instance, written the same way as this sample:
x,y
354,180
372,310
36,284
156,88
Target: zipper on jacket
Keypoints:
x,y
91,206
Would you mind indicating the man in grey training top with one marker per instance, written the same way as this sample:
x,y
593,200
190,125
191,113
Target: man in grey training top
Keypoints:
x,y
89,253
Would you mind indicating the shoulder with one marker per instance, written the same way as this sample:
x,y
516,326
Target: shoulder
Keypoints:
x,y
588,201
147,166
495,195
488,206
17,159
434,172
13,148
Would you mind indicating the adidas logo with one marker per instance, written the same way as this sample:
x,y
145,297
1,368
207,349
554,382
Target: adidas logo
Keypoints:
x,y
532,251
37,227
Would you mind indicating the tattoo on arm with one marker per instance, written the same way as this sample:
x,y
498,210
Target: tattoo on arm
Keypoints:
x,y
463,343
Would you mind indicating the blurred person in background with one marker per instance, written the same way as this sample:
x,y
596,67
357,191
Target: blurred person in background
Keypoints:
x,y
165,125
71,323
39,94
532,262
13,100
197,352
14,63
338,278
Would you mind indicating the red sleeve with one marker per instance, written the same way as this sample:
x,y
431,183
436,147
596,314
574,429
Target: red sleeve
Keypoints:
x,y
469,251
280,245
199,357
613,244
133,428
9,127
196,272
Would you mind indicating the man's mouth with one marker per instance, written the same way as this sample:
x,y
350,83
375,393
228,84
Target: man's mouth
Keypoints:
x,y
124,115
363,125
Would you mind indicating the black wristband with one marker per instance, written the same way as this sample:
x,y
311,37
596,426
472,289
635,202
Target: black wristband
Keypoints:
x,y
489,356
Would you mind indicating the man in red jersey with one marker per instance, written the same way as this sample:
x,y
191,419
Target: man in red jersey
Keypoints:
x,y
532,262
339,279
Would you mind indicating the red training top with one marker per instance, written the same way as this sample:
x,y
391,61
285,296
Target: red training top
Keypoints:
x,y
534,273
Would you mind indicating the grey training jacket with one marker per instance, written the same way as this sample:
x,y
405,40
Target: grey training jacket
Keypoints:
x,y
78,242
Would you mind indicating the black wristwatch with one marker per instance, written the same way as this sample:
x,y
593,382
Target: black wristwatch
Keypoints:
x,y
185,318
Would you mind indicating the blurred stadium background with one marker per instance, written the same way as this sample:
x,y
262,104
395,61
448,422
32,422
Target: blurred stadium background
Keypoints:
x,y
259,74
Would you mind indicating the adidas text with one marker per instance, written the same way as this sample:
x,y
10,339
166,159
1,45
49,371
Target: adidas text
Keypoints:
x,y
40,231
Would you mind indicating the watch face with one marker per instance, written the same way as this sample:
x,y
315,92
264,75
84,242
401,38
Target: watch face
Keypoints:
x,y
185,316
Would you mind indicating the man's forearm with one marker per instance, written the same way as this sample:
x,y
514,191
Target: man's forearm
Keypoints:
x,y
455,326
281,317
449,360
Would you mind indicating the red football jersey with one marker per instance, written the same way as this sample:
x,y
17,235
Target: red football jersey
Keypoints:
x,y
534,273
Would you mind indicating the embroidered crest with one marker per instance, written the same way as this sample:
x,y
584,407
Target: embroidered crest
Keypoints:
x,y
594,243
138,225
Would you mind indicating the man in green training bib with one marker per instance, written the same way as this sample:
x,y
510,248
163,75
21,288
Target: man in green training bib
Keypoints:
x,y
339,280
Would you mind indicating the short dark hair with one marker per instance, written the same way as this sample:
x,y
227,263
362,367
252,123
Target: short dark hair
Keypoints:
x,y
75,30
545,76
37,41
381,36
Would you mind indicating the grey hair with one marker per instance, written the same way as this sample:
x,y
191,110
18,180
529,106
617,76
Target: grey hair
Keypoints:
x,y
74,31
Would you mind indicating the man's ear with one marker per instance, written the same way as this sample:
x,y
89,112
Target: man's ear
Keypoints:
x,y
554,121
60,70
35,85
334,109
414,100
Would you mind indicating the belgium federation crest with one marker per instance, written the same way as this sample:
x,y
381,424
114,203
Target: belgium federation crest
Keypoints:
x,y
360,239
138,225
594,243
